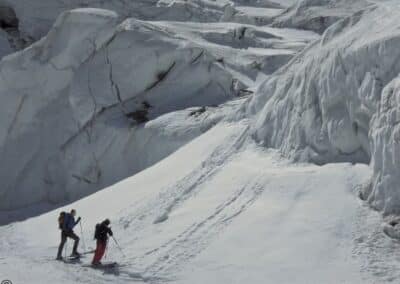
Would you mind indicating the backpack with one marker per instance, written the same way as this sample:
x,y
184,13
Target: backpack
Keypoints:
x,y
61,219
97,232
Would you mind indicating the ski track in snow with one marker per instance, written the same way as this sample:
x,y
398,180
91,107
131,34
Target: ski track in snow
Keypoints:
x,y
188,244
192,240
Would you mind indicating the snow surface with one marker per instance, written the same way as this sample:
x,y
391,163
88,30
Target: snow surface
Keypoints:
x,y
201,222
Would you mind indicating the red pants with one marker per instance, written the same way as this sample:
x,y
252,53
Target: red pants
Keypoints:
x,y
100,250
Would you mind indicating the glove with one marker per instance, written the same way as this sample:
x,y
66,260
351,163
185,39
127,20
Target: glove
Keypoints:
x,y
79,218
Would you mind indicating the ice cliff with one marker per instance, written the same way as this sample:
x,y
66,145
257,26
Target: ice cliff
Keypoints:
x,y
73,104
338,101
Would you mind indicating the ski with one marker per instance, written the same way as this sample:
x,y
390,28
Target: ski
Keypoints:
x,y
88,252
76,256
108,265
73,257
69,260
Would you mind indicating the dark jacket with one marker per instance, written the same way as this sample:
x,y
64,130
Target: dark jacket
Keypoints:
x,y
102,232
69,222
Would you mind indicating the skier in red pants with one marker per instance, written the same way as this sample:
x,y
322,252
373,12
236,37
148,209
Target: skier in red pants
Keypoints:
x,y
101,235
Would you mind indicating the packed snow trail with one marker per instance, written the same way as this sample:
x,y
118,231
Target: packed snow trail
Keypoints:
x,y
219,210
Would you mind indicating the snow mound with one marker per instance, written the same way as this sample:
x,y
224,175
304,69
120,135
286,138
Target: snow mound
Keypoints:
x,y
336,101
72,110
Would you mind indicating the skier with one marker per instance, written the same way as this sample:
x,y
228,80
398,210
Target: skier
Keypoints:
x,y
101,235
67,223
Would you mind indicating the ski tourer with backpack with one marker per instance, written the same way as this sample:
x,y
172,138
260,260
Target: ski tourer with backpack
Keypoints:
x,y
66,223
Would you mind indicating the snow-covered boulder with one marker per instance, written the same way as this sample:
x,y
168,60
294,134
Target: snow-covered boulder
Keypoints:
x,y
72,101
330,103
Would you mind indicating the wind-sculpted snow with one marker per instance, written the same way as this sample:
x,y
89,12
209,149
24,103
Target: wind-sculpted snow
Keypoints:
x,y
31,20
384,192
334,101
72,110
37,16
247,49
318,15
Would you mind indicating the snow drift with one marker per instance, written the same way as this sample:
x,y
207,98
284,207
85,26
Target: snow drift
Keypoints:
x,y
336,101
72,110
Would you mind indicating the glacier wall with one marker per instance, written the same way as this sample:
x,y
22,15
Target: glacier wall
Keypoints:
x,y
72,110
318,15
338,101
37,16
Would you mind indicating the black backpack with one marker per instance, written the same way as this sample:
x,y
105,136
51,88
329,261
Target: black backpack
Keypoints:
x,y
61,219
97,232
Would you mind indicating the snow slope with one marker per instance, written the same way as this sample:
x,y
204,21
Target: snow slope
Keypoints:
x,y
202,222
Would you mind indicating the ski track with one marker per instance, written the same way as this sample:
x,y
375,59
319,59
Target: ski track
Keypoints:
x,y
168,258
165,261
192,240
185,188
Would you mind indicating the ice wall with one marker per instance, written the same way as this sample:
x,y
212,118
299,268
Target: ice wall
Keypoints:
x,y
74,103
336,101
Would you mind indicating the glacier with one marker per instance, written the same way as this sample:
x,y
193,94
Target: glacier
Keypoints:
x,y
229,141
81,89
76,119
335,101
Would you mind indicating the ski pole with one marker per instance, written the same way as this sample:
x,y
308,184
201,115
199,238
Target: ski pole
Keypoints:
x,y
118,246
82,236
